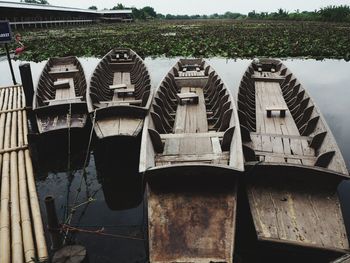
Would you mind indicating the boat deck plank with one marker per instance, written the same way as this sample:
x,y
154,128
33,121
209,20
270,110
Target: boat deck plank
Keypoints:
x,y
62,68
295,214
191,119
64,94
276,134
122,78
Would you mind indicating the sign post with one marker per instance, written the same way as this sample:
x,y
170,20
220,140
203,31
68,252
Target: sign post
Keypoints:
x,y
5,38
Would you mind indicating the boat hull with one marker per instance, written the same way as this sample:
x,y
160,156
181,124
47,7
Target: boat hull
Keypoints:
x,y
293,167
52,150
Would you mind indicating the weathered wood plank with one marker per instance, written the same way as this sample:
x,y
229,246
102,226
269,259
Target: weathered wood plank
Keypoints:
x,y
191,157
292,212
192,226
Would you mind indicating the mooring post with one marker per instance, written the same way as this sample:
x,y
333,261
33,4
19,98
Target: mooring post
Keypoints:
x,y
10,64
27,83
52,222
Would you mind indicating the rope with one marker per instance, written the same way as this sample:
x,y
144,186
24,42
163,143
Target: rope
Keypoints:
x,y
73,208
69,173
90,140
69,117
101,232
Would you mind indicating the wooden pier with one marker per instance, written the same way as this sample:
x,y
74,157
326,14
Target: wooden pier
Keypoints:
x,y
21,228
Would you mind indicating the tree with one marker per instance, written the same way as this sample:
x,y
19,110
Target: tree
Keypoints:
x,y
93,7
138,14
149,11
252,14
119,6
42,2
335,13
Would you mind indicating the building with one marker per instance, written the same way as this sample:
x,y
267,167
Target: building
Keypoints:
x,y
36,15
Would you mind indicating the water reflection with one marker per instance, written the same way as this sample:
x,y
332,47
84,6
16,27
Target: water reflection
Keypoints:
x,y
109,196
117,171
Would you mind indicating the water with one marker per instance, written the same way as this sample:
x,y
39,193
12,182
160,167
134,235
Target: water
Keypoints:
x,y
327,82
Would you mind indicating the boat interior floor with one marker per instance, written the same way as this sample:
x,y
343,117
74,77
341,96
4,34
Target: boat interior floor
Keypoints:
x,y
192,141
277,138
123,91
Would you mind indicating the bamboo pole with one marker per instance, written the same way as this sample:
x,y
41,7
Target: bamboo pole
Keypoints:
x,y
2,126
16,229
28,242
4,99
5,237
3,94
33,197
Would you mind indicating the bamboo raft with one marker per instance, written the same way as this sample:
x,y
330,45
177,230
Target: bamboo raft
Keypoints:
x,y
21,228
119,95
293,164
190,154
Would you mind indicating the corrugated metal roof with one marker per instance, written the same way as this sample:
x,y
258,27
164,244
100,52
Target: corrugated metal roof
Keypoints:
x,y
59,8
124,11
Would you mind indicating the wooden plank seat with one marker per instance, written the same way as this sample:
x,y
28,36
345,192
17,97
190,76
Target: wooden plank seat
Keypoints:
x,y
64,100
192,135
121,56
122,64
114,60
191,67
58,72
281,109
118,86
187,97
63,67
312,159
219,158
124,92
225,138
268,77
121,102
62,84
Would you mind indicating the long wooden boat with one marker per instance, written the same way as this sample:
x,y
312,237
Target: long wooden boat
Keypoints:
x,y
60,105
190,155
119,95
292,161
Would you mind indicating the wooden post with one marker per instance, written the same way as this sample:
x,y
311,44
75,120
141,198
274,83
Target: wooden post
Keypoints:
x,y
27,82
52,221
10,64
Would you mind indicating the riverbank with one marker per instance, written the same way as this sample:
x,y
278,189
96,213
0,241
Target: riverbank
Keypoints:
x,y
205,38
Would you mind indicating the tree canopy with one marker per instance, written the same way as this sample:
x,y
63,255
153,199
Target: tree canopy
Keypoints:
x,y
119,6
42,2
330,13
93,7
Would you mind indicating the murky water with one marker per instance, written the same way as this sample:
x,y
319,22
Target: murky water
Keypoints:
x,y
327,82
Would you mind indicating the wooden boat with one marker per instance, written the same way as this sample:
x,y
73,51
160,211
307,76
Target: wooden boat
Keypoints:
x,y
292,161
60,106
190,155
119,95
